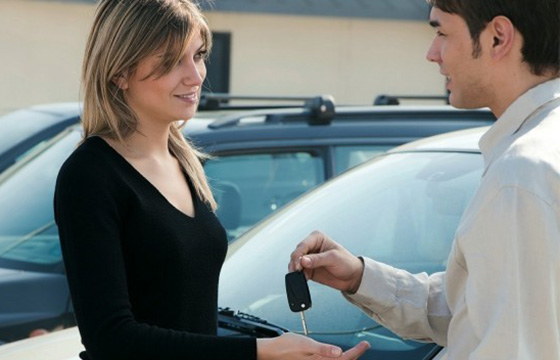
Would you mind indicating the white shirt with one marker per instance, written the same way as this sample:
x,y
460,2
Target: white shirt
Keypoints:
x,y
500,295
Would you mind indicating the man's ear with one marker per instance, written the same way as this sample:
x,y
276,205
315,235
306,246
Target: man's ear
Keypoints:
x,y
121,80
503,35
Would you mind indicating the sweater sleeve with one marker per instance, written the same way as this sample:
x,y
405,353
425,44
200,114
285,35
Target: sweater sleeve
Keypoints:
x,y
413,306
89,210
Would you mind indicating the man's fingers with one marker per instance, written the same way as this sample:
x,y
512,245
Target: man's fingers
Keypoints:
x,y
312,243
314,261
301,249
307,261
292,266
356,351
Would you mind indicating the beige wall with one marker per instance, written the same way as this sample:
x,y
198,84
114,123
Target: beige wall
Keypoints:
x,y
41,46
353,60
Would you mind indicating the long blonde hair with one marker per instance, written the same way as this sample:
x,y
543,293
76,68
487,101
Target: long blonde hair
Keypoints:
x,y
125,32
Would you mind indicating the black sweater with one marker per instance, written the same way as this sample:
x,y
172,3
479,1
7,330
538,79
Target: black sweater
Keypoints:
x,y
142,274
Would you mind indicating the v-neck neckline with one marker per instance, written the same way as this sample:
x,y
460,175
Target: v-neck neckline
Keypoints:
x,y
194,197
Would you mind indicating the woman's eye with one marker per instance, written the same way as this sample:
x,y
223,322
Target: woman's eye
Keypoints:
x,y
201,55
439,33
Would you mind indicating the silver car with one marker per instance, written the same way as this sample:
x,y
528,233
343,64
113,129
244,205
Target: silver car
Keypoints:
x,y
401,208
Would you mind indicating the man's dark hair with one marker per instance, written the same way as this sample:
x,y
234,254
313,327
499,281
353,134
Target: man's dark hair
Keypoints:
x,y
538,21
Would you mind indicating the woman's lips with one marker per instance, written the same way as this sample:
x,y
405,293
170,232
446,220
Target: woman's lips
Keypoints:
x,y
190,98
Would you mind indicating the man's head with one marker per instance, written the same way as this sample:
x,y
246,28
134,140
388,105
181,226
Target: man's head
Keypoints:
x,y
538,22
480,42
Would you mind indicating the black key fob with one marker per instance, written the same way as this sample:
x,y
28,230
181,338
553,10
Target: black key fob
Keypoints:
x,y
297,290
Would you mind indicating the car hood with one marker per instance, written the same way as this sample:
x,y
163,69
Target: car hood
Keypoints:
x,y
9,272
462,141
59,345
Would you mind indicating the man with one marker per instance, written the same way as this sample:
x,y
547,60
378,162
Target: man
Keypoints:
x,y
500,295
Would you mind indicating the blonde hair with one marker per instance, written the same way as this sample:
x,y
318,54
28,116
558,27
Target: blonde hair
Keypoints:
x,y
125,32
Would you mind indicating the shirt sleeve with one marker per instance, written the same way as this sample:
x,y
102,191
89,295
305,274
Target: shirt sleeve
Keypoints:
x,y
512,253
89,211
411,305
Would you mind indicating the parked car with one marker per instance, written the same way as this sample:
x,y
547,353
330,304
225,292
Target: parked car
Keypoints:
x,y
401,207
24,129
265,159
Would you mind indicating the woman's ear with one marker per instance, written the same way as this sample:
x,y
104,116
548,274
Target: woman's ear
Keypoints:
x,y
121,81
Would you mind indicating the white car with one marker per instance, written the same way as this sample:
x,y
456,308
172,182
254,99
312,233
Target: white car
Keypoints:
x,y
59,345
401,208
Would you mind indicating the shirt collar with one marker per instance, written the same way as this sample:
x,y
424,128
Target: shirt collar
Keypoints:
x,y
501,133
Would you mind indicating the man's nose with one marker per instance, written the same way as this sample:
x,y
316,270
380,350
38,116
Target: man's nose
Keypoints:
x,y
433,54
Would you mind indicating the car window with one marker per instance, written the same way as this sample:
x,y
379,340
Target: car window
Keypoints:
x,y
347,157
251,186
401,209
27,231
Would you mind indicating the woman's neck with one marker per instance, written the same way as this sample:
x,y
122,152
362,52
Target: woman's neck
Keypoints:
x,y
148,141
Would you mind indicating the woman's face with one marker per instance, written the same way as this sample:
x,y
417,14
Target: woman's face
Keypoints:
x,y
173,96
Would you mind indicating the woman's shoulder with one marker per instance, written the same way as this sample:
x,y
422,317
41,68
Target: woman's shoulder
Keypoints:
x,y
88,180
91,159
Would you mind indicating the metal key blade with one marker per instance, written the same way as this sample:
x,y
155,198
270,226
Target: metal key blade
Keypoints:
x,y
304,323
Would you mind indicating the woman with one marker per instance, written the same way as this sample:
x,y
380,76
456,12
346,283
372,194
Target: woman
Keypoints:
x,y
142,247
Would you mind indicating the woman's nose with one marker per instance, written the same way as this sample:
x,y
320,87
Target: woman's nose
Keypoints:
x,y
194,74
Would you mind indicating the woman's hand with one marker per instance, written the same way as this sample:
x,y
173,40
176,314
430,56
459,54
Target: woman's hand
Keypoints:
x,y
297,347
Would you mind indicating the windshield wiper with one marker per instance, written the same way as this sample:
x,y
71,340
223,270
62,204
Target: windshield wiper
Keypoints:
x,y
247,324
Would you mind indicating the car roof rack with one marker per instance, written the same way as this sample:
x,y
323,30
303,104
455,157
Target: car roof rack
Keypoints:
x,y
395,99
220,101
319,110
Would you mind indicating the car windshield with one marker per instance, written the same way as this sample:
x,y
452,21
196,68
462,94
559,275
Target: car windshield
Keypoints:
x,y
28,234
401,209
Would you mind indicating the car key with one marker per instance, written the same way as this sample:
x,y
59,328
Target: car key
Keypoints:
x,y
299,297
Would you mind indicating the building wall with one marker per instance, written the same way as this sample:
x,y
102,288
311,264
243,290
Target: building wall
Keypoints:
x,y
352,59
41,48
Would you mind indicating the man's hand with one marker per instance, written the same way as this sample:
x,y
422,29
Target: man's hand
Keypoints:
x,y
327,262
